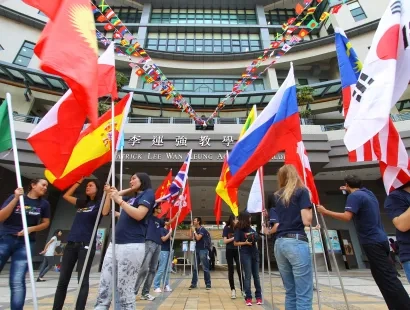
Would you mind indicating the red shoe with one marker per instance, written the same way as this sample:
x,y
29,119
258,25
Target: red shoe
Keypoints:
x,y
258,301
248,301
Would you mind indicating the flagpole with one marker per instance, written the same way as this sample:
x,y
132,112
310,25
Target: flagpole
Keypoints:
x,y
21,200
113,153
315,268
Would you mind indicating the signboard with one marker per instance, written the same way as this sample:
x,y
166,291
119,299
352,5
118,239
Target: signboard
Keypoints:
x,y
192,246
316,241
184,246
334,239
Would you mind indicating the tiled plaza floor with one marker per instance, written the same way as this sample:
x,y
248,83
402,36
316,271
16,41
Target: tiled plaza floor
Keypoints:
x,y
362,293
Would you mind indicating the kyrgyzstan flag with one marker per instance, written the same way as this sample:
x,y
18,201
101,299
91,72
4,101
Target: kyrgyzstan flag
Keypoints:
x,y
162,191
68,48
93,148
183,202
54,138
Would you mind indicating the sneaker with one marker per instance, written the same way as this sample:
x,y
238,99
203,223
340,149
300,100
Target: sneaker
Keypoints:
x,y
208,287
40,280
157,290
258,301
167,289
192,287
248,301
147,297
233,294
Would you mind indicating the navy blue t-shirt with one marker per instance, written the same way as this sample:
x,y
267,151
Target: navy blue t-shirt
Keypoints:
x,y
365,207
289,217
200,244
229,233
396,204
273,219
247,234
84,220
36,209
129,230
154,229
166,246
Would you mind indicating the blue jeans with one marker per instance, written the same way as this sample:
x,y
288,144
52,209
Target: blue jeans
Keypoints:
x,y
250,263
14,247
163,261
201,257
406,267
295,266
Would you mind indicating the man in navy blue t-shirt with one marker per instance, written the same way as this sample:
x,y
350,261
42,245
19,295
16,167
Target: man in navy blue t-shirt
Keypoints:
x,y
397,205
363,207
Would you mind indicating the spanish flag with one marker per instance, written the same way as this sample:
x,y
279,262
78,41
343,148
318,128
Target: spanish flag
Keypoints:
x,y
230,195
93,148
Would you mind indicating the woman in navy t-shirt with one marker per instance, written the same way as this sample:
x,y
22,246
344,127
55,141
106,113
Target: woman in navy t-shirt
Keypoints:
x,y
246,238
12,243
293,208
78,241
130,234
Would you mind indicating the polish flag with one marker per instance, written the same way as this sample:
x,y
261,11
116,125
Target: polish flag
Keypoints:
x,y
54,138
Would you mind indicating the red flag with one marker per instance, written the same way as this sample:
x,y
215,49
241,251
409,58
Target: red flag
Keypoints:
x,y
71,39
49,8
162,191
107,81
184,202
336,9
299,9
54,138
217,209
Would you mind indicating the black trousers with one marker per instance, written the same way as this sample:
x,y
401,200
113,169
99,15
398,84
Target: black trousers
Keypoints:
x,y
231,255
385,276
74,252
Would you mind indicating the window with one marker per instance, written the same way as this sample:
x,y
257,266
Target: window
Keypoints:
x,y
203,43
303,82
127,14
323,80
208,85
280,81
310,36
25,54
279,16
357,11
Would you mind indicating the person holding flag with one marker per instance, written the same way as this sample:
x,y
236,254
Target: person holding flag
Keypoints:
x,y
152,252
12,244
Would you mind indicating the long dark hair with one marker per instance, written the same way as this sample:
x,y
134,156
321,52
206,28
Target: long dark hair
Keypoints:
x,y
97,194
231,221
145,181
243,220
56,232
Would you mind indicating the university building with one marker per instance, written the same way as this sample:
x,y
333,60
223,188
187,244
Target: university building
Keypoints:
x,y
204,47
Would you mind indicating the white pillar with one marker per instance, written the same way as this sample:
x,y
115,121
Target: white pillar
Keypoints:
x,y
272,79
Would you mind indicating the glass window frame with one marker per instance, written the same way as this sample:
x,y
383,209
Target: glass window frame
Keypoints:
x,y
19,54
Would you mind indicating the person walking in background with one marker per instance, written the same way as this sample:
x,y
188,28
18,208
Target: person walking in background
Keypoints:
x,y
48,253
363,207
292,213
397,205
163,268
12,235
212,257
130,234
78,241
246,238
232,254
202,238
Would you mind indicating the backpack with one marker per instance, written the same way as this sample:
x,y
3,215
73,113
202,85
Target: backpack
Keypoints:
x,y
207,240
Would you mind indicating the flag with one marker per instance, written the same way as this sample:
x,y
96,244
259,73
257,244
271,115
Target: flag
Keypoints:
x,y
5,133
70,38
107,81
386,146
55,136
255,200
163,190
324,16
336,8
183,203
230,195
179,181
299,9
120,144
49,8
312,24
350,67
303,33
384,76
275,129
93,148
217,209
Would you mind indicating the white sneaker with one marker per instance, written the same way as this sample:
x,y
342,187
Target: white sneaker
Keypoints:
x,y
157,290
147,297
233,294
167,289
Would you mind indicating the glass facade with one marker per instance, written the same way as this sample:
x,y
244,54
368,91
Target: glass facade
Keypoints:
x,y
25,54
203,16
279,16
309,37
357,11
203,42
208,85
128,14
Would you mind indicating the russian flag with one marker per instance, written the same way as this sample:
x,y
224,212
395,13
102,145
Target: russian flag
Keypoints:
x,y
276,129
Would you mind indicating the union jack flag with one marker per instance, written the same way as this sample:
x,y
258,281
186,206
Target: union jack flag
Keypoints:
x,y
179,182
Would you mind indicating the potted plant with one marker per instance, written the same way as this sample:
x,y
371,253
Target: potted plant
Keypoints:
x,y
305,98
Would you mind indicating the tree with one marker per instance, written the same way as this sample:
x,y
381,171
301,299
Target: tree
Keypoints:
x,y
305,98
105,105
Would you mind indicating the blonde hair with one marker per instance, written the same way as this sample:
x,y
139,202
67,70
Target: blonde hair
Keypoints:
x,y
289,181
